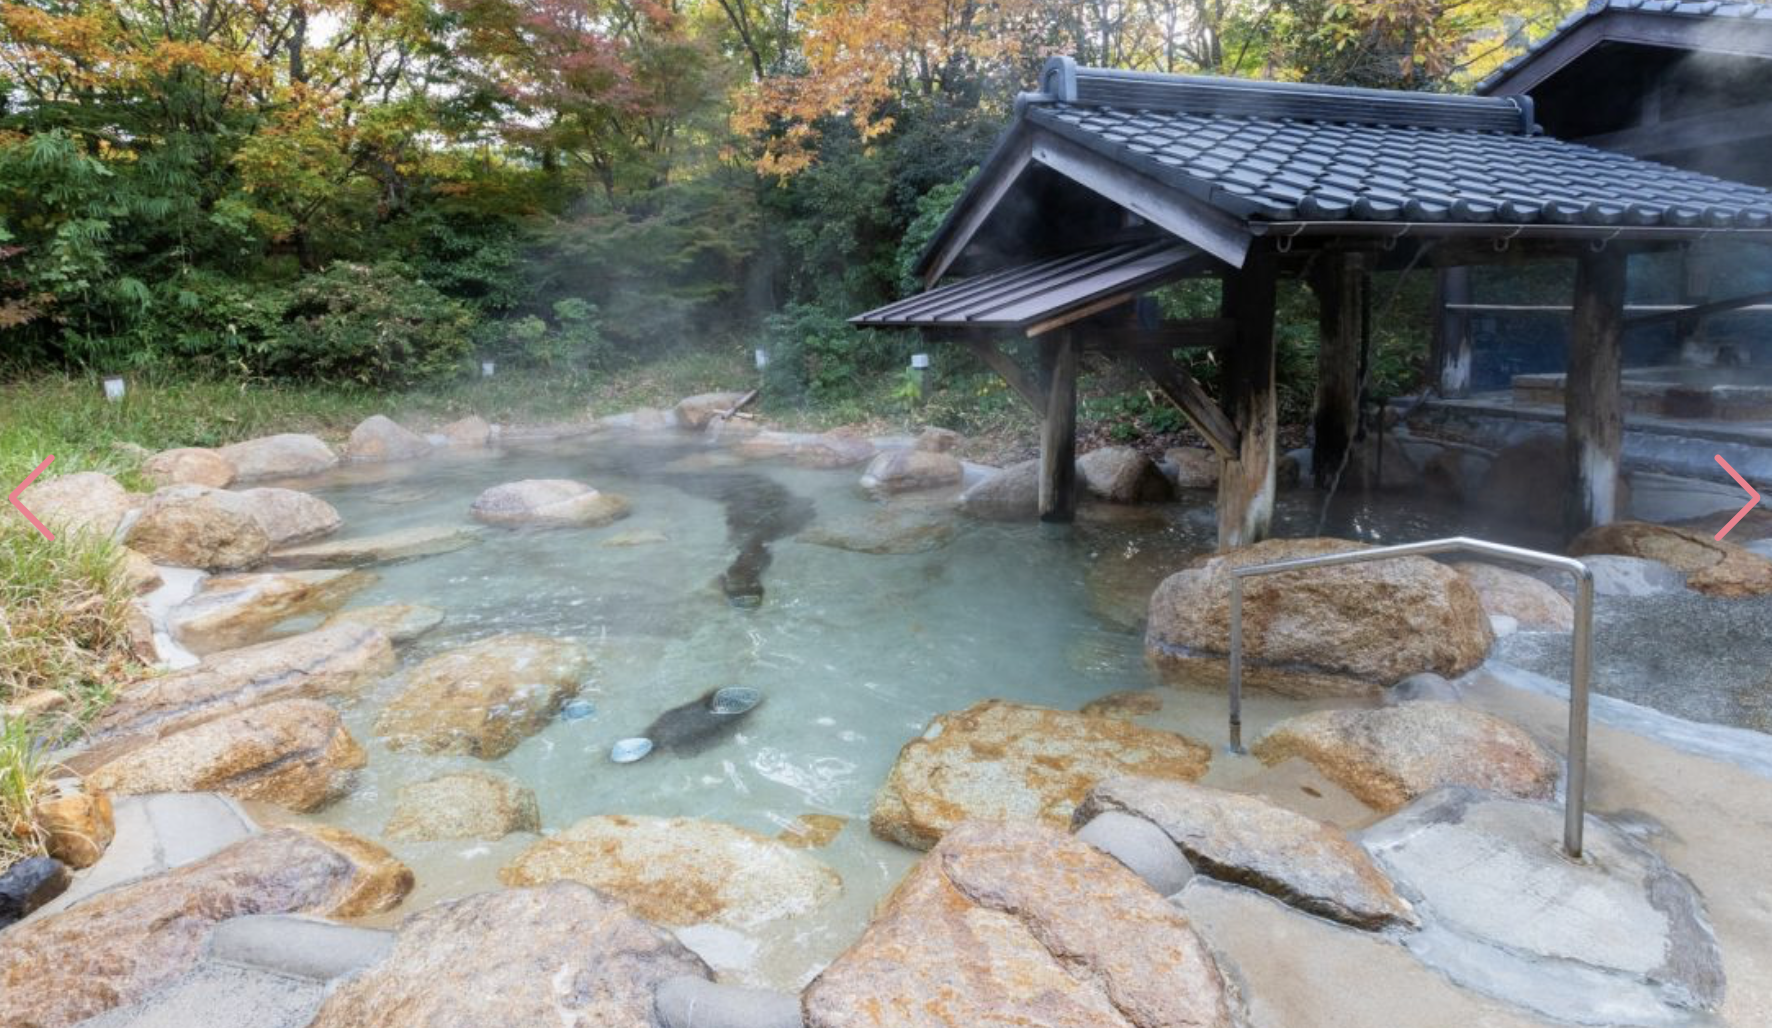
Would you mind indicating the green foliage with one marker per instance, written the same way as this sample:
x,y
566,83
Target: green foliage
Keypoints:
x,y
815,356
375,325
932,210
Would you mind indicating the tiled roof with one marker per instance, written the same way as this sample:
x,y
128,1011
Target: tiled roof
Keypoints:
x,y
1375,162
1708,9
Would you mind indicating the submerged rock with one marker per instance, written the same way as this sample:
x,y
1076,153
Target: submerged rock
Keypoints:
x,y
1120,474
292,753
1016,923
1012,494
278,456
1338,631
812,831
289,516
547,503
681,871
1125,705
126,943
464,805
1617,936
884,532
189,465
1713,567
386,548
85,501
193,526
903,471
1529,601
938,440
400,622
231,611
378,438
565,956
639,537
328,662
829,451
1249,841
1387,756
694,726
484,698
997,760
1529,481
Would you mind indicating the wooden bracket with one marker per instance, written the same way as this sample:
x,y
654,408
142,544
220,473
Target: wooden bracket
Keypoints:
x,y
1019,380
1221,434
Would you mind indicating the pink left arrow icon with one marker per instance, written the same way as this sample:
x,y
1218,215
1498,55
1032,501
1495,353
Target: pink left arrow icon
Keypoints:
x,y
13,498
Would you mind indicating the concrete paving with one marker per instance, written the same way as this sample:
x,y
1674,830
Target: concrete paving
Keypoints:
x,y
1615,938
217,995
155,833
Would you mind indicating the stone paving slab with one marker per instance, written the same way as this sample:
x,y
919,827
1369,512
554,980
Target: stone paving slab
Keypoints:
x,y
218,995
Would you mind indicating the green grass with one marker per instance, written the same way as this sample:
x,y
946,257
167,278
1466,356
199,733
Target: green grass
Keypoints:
x,y
24,772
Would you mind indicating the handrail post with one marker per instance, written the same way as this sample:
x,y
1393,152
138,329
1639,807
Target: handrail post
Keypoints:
x,y
1236,664
1581,662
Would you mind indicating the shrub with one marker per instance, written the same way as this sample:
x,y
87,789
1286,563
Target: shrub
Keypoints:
x,y
816,356
377,325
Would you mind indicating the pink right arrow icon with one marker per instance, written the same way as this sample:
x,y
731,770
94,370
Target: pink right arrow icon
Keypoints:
x,y
1754,498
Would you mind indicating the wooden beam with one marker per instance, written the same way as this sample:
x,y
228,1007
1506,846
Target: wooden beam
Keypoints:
x,y
999,175
1193,334
1019,380
1452,332
1246,484
1058,432
1206,227
1340,285
1593,408
1190,396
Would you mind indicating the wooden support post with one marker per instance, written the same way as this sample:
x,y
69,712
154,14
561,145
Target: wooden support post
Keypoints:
x,y
1593,409
1452,333
1694,292
1340,285
1058,430
1246,484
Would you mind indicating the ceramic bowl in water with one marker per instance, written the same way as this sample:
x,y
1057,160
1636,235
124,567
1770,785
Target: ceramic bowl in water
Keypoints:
x,y
735,699
629,750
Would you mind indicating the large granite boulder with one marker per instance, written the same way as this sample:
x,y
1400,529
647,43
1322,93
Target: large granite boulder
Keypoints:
x,y
1016,923
1120,474
469,432
681,871
1530,601
126,943
386,548
997,760
328,662
1195,467
1338,631
194,526
289,516
694,412
278,456
565,957
88,502
29,885
292,753
464,805
189,465
400,622
1713,567
231,611
378,438
1387,756
484,698
1248,841
547,503
1012,494
903,471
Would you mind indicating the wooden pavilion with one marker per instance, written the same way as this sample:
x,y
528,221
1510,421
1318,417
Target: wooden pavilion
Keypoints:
x,y
1108,184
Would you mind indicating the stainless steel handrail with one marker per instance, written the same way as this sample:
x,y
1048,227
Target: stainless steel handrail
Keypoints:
x,y
1580,662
